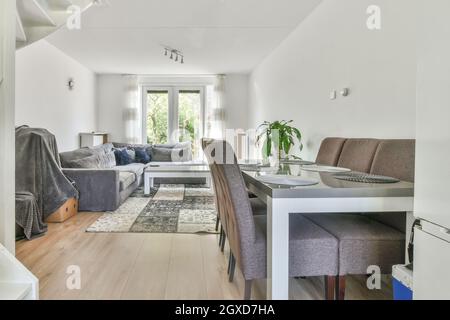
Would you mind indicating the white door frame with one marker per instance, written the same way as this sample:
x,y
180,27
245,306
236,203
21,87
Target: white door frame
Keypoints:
x,y
173,107
145,89
7,123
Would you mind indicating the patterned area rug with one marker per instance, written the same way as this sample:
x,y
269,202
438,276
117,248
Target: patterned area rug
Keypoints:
x,y
168,209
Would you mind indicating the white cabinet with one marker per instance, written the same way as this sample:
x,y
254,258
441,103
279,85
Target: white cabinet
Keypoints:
x,y
432,196
16,281
93,139
431,261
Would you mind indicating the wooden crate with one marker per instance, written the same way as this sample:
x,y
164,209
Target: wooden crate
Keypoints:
x,y
67,211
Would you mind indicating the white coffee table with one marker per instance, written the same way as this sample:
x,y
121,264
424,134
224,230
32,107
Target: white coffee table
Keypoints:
x,y
170,170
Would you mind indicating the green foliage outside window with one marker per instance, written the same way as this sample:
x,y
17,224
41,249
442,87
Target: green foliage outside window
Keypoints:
x,y
189,115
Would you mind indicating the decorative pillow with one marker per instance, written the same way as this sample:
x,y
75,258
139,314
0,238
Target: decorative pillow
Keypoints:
x,y
132,154
181,151
161,154
142,156
131,146
106,148
122,157
107,160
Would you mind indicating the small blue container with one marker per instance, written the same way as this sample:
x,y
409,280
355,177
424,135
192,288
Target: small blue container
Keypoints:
x,y
402,278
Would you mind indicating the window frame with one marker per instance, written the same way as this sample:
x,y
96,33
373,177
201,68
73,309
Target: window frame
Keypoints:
x,y
173,99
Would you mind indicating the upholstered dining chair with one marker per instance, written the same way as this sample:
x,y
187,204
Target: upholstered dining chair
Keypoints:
x,y
312,250
330,151
372,239
209,147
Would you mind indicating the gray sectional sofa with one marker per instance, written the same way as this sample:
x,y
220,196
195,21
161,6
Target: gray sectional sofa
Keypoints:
x,y
103,185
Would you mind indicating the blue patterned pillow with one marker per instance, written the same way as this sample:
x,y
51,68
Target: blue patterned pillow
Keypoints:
x,y
122,157
142,156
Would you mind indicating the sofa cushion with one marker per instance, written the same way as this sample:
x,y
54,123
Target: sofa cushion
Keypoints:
x,y
357,154
69,156
91,162
126,179
136,168
95,161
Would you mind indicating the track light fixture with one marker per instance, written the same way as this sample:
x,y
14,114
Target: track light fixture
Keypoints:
x,y
179,57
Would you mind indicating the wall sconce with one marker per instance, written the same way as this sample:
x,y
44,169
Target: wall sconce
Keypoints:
x,y
71,84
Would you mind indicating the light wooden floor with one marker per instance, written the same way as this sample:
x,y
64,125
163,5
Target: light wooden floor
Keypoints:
x,y
149,266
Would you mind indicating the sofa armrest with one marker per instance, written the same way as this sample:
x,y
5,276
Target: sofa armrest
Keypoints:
x,y
98,188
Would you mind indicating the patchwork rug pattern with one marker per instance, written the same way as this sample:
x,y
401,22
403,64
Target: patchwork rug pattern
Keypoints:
x,y
168,209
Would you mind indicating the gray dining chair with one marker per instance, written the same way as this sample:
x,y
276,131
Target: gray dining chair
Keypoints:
x,y
358,154
312,250
330,151
209,147
372,239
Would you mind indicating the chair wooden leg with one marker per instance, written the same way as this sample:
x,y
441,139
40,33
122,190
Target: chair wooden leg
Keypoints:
x,y
221,237
224,238
340,287
229,263
232,268
217,223
248,289
330,287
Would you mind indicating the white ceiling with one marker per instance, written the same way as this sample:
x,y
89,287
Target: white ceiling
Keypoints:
x,y
216,36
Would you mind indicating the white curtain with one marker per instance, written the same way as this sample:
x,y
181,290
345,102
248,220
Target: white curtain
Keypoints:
x,y
131,112
216,105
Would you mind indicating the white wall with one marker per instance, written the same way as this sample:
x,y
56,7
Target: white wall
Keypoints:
x,y
332,49
111,100
236,86
7,158
43,98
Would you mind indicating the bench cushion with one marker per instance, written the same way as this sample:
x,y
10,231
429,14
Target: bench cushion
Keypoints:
x,y
330,151
363,242
395,158
357,154
312,250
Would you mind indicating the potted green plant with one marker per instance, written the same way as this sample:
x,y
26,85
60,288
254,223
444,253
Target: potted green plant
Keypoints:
x,y
279,137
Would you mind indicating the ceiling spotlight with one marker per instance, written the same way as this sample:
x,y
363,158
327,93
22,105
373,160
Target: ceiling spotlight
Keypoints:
x,y
175,54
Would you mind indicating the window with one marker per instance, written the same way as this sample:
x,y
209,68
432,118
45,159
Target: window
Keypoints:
x,y
174,114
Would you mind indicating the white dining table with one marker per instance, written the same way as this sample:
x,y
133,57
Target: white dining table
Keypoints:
x,y
329,195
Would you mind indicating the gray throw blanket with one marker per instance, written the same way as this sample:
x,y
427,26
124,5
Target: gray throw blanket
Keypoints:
x,y
38,171
28,216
